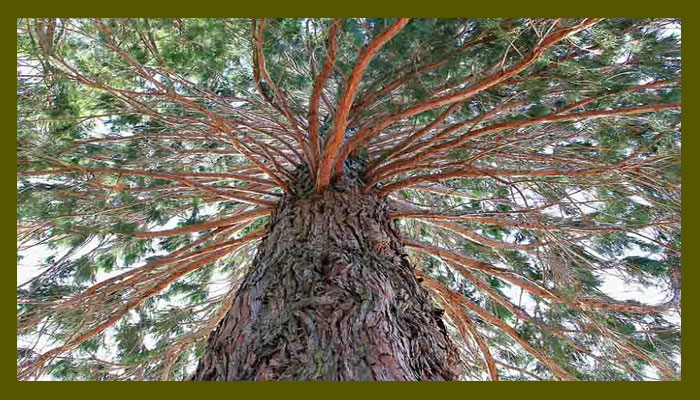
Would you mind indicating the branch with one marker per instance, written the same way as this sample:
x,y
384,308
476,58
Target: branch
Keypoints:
x,y
342,112
333,32
631,89
552,118
242,217
371,98
364,135
411,139
27,371
480,239
170,177
518,224
259,66
532,287
466,326
376,172
484,173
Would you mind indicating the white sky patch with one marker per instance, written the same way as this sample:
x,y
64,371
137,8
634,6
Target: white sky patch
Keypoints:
x,y
640,200
674,29
31,264
520,297
622,56
621,289
618,287
531,198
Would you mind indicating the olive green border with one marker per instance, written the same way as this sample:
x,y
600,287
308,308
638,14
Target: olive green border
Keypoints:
x,y
329,8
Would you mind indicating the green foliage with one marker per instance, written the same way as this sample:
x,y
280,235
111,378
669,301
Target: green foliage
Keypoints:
x,y
646,265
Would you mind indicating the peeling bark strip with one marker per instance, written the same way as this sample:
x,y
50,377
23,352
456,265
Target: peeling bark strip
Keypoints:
x,y
330,296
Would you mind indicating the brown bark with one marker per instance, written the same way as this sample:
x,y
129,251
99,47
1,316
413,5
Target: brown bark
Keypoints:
x,y
330,296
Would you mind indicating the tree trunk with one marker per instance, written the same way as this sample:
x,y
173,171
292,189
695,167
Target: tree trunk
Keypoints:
x,y
330,296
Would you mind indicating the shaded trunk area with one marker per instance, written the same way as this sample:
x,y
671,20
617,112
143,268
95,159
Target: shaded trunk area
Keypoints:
x,y
330,296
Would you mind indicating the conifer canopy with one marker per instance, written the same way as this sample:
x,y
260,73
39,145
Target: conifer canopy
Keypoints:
x,y
531,165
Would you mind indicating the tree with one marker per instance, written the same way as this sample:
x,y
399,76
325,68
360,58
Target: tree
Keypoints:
x,y
349,199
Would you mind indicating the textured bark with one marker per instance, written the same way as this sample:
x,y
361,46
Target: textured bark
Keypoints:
x,y
330,296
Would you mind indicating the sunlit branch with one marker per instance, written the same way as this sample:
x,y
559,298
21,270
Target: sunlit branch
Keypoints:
x,y
340,118
361,137
443,147
332,48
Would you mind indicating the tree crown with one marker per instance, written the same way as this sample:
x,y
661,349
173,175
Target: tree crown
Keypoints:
x,y
533,165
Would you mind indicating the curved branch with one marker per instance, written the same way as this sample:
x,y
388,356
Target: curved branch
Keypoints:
x,y
480,239
532,287
457,298
336,136
260,71
441,148
376,172
372,97
364,135
467,327
333,32
484,173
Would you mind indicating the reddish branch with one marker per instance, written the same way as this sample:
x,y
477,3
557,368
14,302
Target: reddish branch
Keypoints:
x,y
521,224
342,111
581,304
483,173
372,97
406,151
465,325
366,134
631,89
242,217
172,257
441,148
331,51
412,138
170,177
220,124
458,299
177,273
